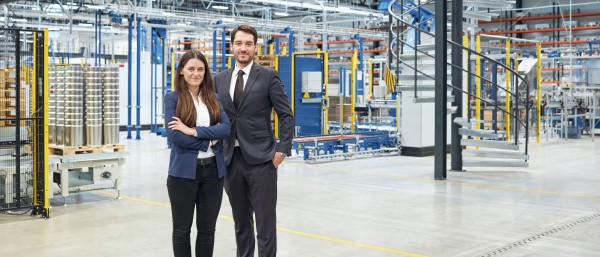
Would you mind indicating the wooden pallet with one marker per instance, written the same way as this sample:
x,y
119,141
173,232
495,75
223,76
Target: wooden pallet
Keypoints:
x,y
12,123
71,150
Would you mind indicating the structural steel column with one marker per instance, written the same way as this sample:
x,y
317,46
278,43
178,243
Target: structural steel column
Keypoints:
x,y
441,75
138,71
214,60
478,82
539,92
18,71
457,37
224,49
99,52
129,73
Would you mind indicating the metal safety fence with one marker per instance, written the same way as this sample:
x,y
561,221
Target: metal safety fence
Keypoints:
x,y
23,121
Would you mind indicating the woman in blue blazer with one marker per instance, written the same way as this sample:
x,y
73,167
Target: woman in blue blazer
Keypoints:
x,y
197,123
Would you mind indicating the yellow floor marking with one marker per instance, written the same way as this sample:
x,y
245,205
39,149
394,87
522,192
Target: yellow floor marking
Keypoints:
x,y
341,241
291,231
453,182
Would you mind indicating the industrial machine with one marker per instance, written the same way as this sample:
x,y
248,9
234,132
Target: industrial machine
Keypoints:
x,y
343,147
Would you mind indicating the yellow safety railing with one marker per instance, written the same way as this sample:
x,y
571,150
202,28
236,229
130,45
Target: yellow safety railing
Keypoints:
x,y
509,82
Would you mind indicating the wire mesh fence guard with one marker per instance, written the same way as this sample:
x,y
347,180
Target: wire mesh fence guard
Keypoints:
x,y
23,121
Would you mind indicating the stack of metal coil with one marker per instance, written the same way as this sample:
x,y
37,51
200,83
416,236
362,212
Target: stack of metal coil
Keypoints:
x,y
52,106
73,106
93,106
59,128
110,105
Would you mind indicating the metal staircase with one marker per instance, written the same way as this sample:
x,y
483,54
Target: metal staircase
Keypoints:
x,y
413,57
490,149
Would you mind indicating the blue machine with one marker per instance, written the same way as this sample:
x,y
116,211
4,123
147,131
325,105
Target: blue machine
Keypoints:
x,y
307,114
159,36
554,53
330,147
157,45
420,15
115,17
592,43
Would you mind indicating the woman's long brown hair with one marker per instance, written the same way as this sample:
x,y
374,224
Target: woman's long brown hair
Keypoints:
x,y
185,105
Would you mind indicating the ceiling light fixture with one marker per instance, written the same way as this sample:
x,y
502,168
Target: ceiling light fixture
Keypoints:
x,y
19,20
333,9
283,14
95,7
57,14
220,7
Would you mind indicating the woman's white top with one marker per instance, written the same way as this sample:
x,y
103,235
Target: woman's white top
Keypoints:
x,y
202,120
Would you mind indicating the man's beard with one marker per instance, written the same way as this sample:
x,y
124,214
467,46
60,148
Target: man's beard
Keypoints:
x,y
244,61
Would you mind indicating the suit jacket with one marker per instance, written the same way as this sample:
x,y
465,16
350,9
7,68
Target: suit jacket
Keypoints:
x,y
251,123
184,148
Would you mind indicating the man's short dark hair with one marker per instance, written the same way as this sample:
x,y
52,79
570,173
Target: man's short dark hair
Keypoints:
x,y
245,28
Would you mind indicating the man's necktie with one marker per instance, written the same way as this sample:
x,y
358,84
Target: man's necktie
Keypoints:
x,y
239,88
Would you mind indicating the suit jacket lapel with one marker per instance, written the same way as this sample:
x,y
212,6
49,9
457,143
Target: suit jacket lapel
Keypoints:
x,y
226,85
250,83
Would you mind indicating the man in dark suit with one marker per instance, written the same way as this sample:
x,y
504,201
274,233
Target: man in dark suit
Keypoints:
x,y
249,92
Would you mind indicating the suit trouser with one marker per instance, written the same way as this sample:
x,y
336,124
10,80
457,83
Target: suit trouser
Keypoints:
x,y
252,189
204,193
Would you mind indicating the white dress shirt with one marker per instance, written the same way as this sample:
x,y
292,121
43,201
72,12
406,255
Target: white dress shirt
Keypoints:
x,y
202,120
234,76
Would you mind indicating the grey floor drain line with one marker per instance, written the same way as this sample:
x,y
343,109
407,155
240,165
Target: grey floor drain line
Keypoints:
x,y
531,239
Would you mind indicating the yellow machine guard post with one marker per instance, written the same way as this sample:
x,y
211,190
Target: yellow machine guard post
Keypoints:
x,y
46,140
516,68
353,91
466,100
370,78
33,107
275,117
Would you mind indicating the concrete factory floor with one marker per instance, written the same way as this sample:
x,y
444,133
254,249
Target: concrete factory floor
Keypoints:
x,y
385,206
